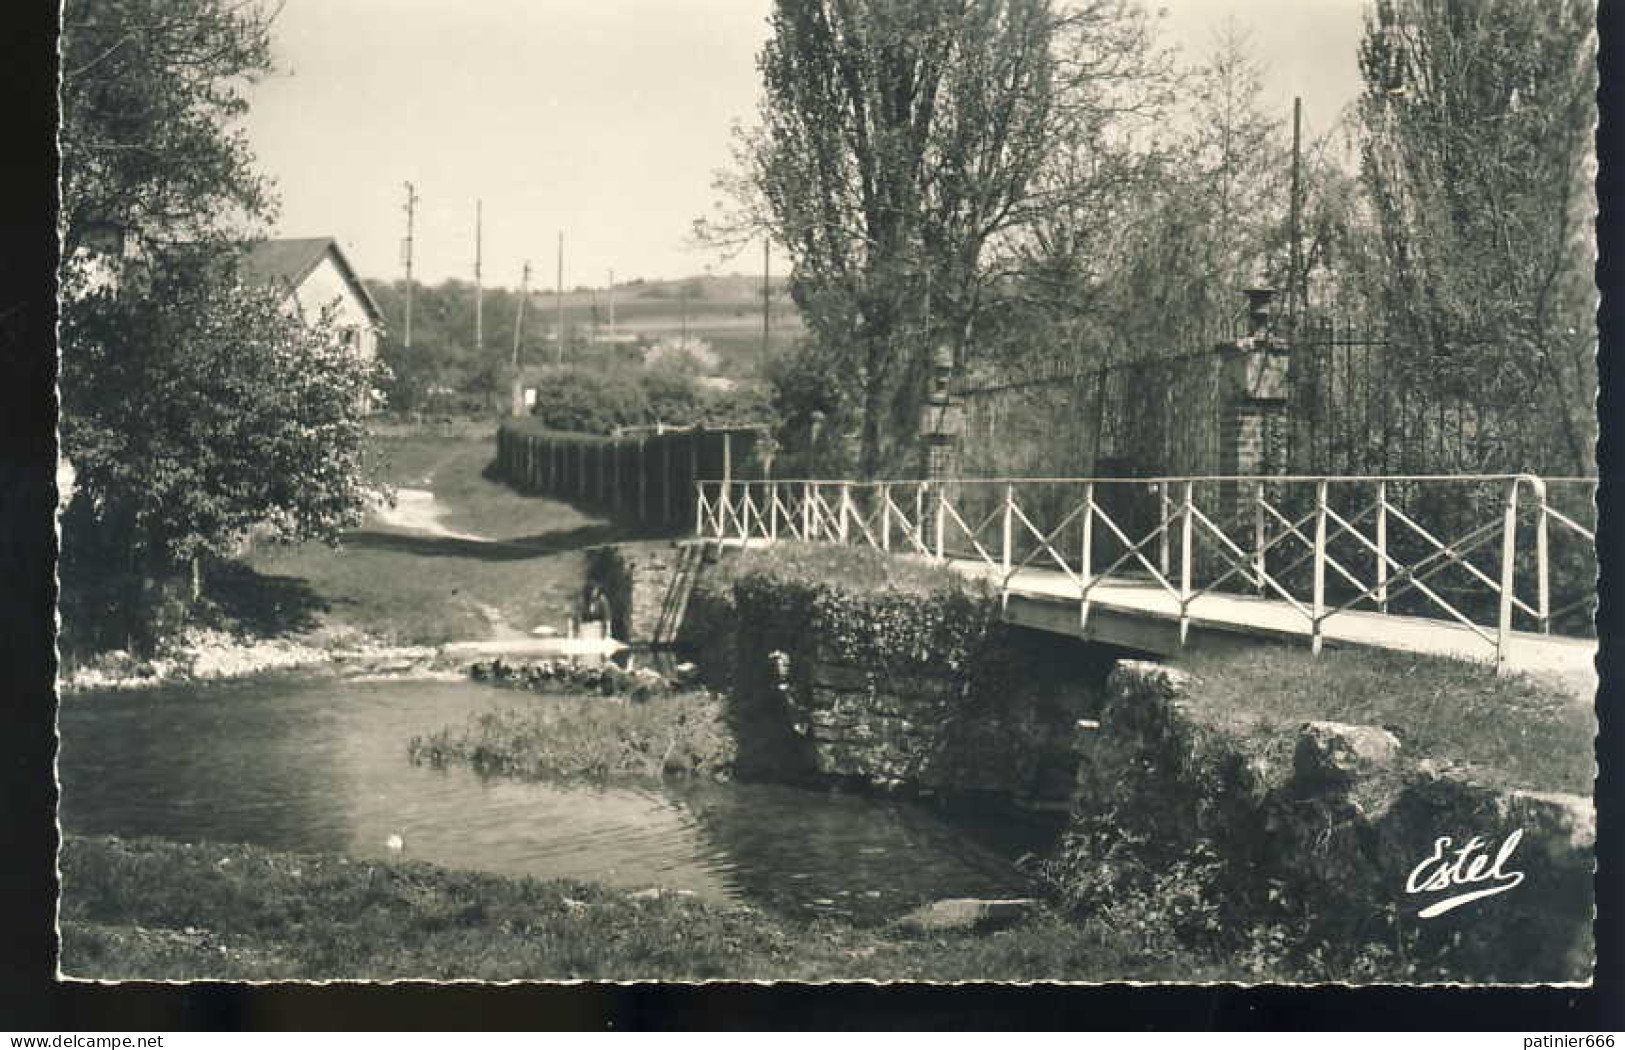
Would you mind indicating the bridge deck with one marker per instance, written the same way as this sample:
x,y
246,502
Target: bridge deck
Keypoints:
x,y
1146,616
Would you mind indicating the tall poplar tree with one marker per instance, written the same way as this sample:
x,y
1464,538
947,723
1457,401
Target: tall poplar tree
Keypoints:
x,y
897,157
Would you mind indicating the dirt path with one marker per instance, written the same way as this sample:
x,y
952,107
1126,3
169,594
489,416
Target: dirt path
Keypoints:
x,y
420,511
417,510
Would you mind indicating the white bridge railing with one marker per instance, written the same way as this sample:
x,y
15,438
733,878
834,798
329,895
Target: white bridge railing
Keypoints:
x,y
1481,551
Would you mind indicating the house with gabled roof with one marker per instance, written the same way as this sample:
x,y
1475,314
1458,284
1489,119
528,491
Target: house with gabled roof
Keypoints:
x,y
315,274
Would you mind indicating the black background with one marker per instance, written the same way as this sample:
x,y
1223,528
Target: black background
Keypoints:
x,y
30,999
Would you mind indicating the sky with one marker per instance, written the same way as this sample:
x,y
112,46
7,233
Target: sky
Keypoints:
x,y
604,119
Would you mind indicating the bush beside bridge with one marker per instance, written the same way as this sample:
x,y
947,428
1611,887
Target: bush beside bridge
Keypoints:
x,y
1268,809
1211,818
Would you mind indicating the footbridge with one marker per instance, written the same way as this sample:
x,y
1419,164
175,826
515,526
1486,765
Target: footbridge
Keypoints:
x,y
1498,568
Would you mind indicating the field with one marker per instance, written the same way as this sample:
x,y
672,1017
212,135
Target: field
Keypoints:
x,y
724,312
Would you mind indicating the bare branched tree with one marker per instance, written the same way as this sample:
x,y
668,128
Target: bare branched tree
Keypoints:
x,y
903,148
1479,117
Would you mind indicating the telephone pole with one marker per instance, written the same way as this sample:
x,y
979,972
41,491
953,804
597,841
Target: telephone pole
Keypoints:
x,y
560,295
1294,259
767,299
612,302
519,327
479,291
406,252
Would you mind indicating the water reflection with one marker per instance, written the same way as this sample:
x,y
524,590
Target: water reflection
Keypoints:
x,y
860,858
319,765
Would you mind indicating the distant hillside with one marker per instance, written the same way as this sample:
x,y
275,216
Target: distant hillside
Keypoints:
x,y
723,289
723,310
442,368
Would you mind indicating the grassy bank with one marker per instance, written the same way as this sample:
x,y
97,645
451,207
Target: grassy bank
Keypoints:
x,y
1516,731
494,562
569,736
158,910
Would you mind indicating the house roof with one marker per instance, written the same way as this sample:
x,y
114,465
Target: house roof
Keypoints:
x,y
288,261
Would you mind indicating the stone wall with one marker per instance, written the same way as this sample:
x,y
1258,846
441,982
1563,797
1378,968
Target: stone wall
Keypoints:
x,y
1317,835
1006,733
917,695
637,579
1296,842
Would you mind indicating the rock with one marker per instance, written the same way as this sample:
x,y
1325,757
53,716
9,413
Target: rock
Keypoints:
x,y
1334,754
1563,820
968,913
650,894
1144,679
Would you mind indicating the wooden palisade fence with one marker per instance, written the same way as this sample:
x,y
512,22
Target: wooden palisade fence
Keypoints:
x,y
648,477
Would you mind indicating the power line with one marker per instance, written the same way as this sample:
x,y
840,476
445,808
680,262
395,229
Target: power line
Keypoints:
x,y
519,327
406,251
560,294
479,292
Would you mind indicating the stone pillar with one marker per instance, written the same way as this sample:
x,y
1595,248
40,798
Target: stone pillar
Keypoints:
x,y
1253,411
942,421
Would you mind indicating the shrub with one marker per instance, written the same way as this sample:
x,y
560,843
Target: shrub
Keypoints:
x,y
564,736
1194,816
671,397
743,404
575,399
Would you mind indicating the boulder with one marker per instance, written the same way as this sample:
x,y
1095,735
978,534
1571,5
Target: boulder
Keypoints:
x,y
1564,822
1143,679
1335,754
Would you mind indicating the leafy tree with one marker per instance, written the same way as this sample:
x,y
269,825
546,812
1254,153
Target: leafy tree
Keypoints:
x,y
193,407
1479,117
442,352
1148,254
150,90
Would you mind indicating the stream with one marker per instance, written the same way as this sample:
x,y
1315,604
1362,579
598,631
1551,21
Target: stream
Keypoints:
x,y
318,764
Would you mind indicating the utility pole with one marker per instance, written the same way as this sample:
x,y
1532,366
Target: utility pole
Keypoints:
x,y
518,328
682,296
767,299
479,291
406,252
1294,259
560,294
612,302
